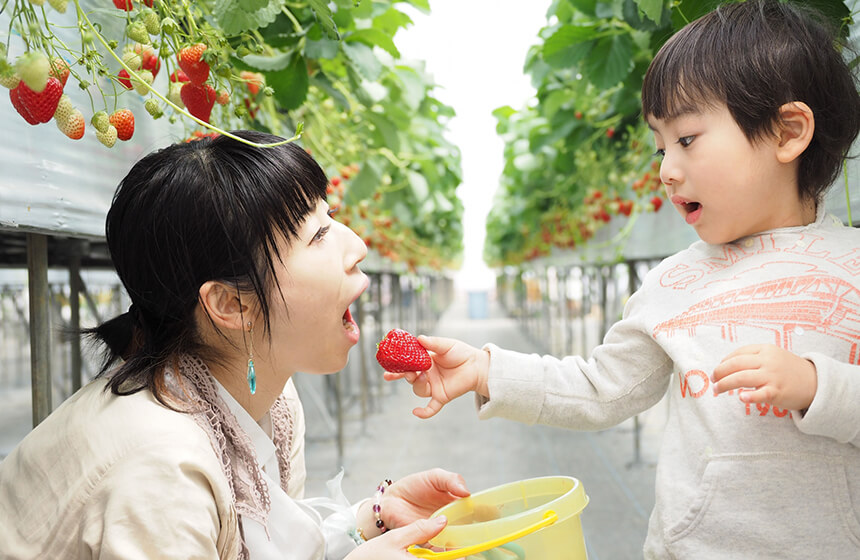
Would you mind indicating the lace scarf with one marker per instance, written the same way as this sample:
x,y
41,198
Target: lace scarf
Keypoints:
x,y
194,389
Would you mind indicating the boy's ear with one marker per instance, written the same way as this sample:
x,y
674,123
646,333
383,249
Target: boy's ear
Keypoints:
x,y
796,125
223,306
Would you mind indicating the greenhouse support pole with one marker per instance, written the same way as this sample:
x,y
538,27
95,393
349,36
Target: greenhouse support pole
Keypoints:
x,y
75,318
40,325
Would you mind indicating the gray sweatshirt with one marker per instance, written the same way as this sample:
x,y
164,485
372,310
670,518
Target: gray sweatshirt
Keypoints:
x,y
734,480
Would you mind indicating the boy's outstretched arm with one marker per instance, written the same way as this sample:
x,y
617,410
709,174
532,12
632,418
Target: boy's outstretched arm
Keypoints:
x,y
768,374
457,369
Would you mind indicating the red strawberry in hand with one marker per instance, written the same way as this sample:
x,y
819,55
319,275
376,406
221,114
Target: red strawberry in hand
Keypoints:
x,y
191,61
198,99
40,106
401,352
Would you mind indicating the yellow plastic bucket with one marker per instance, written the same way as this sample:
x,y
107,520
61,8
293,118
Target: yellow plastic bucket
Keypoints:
x,y
533,519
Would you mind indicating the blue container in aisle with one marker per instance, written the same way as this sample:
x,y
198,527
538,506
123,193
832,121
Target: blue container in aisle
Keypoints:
x,y
478,305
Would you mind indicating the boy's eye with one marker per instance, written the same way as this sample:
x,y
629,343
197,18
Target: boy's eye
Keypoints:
x,y
685,141
660,152
321,233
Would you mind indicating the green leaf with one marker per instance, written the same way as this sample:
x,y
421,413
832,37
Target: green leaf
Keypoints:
x,y
237,16
390,21
585,6
363,60
268,63
321,81
651,8
290,84
423,5
418,184
324,48
363,185
386,132
610,61
413,86
324,17
568,45
374,38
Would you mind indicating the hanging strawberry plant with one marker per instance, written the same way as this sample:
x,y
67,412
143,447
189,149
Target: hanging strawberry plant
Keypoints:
x,y
582,157
326,72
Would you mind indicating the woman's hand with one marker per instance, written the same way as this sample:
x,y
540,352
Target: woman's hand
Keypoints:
x,y
393,545
768,374
457,369
418,495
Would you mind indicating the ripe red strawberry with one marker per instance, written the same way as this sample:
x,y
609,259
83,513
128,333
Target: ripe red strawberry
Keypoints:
x,y
178,76
123,121
401,352
657,202
191,61
42,105
124,78
150,61
254,81
625,207
123,5
198,99
19,106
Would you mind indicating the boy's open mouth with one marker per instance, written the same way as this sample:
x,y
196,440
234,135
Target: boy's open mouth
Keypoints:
x,y
692,209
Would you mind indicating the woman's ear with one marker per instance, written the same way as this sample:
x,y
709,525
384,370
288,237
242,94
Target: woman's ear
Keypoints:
x,y
222,304
796,126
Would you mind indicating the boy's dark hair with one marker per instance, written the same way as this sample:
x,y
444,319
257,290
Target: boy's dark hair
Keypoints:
x,y
211,209
755,56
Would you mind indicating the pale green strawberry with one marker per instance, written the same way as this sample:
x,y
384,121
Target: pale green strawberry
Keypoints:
x,y
136,31
153,107
64,109
151,21
108,138
33,68
174,94
131,59
101,121
142,82
59,5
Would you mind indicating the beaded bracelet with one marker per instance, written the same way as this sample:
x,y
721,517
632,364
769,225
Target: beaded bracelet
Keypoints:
x,y
377,505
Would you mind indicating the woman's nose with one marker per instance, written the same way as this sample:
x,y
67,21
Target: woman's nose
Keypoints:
x,y
356,248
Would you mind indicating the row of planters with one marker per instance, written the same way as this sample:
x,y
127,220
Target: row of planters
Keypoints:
x,y
581,158
325,74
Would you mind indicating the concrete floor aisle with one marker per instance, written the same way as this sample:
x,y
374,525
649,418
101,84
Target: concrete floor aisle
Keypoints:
x,y
391,443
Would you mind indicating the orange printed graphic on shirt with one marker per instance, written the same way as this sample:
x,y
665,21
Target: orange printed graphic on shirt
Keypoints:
x,y
821,303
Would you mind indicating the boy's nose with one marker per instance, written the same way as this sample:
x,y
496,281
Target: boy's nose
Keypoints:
x,y
670,174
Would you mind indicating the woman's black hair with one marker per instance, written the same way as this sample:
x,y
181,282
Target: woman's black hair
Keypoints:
x,y
210,209
756,56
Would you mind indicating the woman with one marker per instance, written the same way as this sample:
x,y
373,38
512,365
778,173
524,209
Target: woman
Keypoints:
x,y
238,277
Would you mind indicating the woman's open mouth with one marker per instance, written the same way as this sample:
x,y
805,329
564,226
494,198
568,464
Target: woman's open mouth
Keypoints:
x,y
348,322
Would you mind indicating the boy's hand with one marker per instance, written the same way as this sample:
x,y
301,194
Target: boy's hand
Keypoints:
x,y
768,374
457,369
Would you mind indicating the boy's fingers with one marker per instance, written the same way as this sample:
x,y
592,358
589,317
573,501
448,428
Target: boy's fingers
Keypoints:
x,y
436,344
428,411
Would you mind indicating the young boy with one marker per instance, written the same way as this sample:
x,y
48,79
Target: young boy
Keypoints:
x,y
754,329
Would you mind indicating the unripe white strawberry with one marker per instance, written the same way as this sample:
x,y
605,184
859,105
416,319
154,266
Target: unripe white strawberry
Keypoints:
x,y
142,83
108,138
153,107
73,126
33,68
101,121
132,60
59,5
64,109
174,94
10,81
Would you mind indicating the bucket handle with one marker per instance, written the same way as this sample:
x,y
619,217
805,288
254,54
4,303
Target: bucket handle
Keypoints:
x,y
549,517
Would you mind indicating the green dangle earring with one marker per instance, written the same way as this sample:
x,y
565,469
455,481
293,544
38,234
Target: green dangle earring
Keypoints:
x,y
252,375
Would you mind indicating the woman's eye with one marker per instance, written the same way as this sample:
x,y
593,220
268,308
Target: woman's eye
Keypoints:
x,y
321,233
332,211
685,141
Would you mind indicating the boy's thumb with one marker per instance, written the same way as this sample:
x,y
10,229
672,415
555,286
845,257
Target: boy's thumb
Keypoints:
x,y
421,531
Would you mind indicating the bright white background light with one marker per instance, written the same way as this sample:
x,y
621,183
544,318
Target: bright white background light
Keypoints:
x,y
475,51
